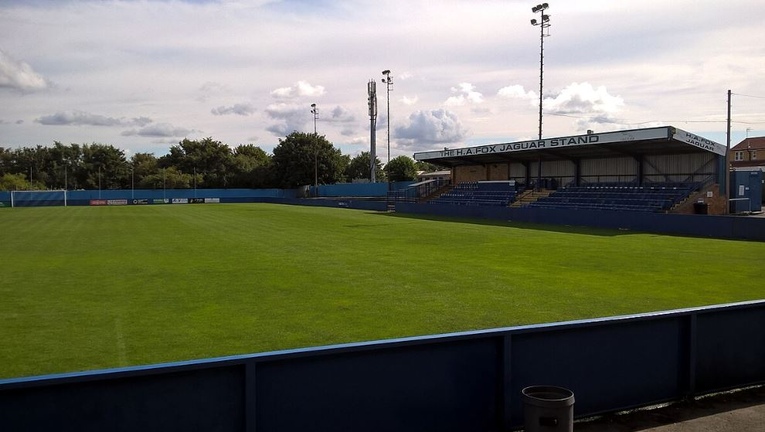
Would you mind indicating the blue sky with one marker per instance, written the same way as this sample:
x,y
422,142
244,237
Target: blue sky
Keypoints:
x,y
144,74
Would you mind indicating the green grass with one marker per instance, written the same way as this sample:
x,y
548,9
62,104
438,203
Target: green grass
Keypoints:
x,y
94,287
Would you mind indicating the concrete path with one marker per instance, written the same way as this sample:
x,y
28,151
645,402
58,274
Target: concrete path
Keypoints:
x,y
744,419
738,411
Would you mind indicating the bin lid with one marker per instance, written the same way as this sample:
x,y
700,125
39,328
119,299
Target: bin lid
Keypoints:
x,y
548,396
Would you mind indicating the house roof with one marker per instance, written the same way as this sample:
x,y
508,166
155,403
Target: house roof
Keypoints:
x,y
754,143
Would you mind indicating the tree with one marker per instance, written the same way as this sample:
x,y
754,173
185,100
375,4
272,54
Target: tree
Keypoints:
x,y
300,157
143,165
168,178
66,162
359,168
401,168
6,157
212,159
426,166
10,182
31,161
250,167
103,167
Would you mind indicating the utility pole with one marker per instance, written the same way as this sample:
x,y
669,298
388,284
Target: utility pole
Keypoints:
x,y
726,169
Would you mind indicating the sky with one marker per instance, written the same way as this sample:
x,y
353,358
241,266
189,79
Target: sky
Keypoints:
x,y
142,75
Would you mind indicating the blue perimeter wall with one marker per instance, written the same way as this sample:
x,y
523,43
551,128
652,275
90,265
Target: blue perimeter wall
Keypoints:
x,y
84,197
461,382
379,190
725,227
357,192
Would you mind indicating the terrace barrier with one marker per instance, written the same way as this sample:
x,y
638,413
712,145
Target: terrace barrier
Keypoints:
x,y
468,381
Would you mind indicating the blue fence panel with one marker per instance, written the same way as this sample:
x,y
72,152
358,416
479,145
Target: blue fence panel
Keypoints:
x,y
458,382
360,189
608,367
207,399
179,193
83,197
419,387
143,196
37,198
730,348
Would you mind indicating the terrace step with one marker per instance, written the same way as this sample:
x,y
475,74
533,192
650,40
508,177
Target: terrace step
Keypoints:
x,y
530,196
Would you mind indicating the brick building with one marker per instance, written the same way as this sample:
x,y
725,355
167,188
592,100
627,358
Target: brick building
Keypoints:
x,y
748,153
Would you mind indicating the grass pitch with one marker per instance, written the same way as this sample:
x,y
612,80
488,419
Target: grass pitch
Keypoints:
x,y
95,287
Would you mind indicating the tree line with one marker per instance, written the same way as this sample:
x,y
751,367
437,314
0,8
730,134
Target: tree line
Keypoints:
x,y
299,159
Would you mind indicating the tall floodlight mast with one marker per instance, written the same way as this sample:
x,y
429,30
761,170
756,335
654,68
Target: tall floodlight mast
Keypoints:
x,y
388,81
372,100
315,112
543,23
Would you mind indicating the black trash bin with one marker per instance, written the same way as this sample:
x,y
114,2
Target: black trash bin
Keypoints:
x,y
701,208
548,409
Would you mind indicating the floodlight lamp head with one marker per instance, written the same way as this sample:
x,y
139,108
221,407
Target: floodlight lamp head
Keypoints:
x,y
545,18
545,5
313,105
533,22
386,72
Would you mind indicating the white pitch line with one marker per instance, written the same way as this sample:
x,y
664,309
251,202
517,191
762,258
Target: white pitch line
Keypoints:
x,y
121,350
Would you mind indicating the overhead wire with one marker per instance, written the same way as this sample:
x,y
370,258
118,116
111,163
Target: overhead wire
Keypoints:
x,y
749,96
664,121
676,121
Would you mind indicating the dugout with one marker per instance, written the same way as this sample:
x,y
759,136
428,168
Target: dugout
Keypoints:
x,y
639,156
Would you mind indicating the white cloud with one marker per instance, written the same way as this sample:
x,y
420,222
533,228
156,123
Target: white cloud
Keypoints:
x,y
159,130
18,75
209,89
242,109
596,122
288,118
406,100
341,115
465,94
583,99
301,88
81,118
283,93
591,107
405,76
517,92
587,105
425,128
